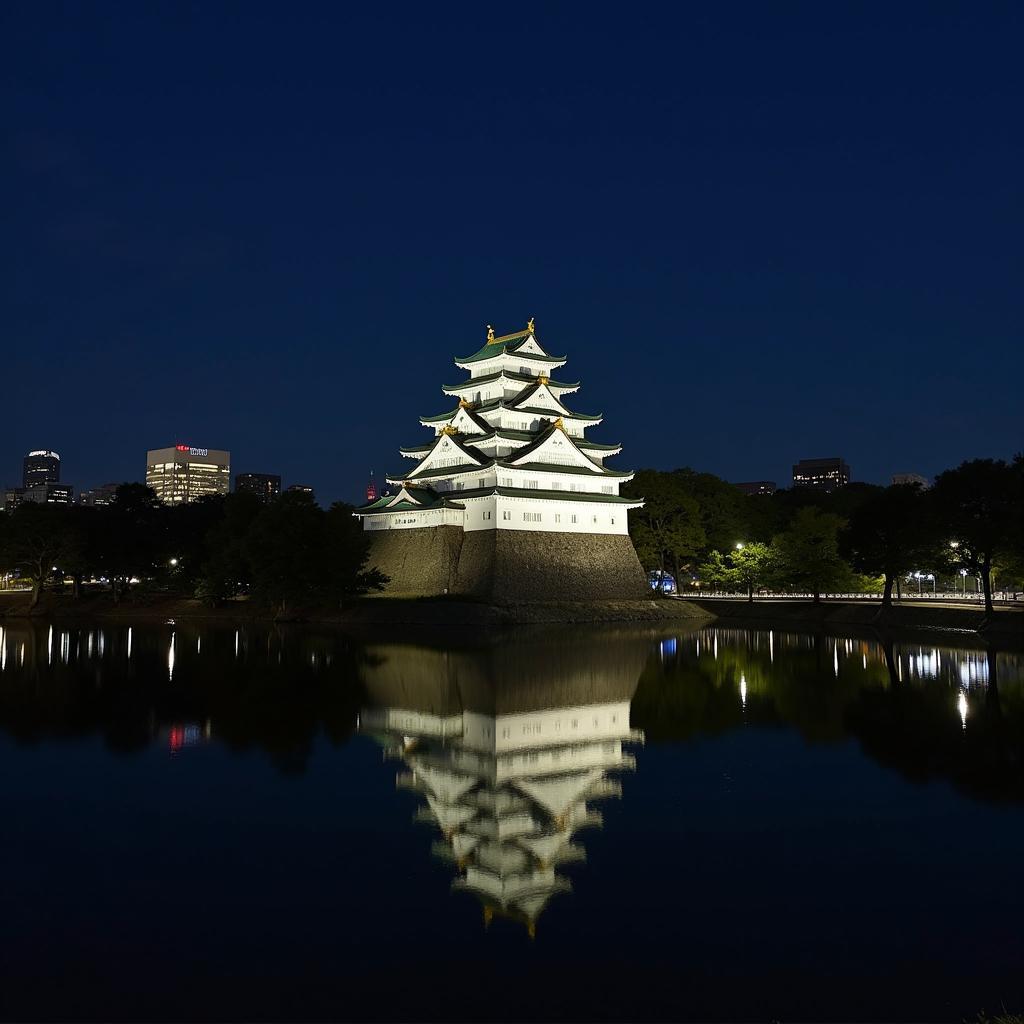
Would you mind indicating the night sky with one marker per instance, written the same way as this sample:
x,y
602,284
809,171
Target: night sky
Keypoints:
x,y
760,232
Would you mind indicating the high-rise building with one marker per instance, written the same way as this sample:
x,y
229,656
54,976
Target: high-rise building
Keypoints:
x,y
181,473
300,489
910,478
98,496
371,489
821,474
11,498
49,494
40,467
266,486
754,487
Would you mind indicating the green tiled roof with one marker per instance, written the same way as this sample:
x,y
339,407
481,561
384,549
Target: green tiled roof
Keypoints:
x,y
494,403
523,492
426,498
488,378
508,343
429,474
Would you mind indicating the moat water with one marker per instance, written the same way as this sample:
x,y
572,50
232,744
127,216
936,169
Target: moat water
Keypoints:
x,y
565,823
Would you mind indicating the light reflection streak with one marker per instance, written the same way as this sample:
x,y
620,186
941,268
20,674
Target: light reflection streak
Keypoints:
x,y
170,659
961,706
49,647
129,643
743,689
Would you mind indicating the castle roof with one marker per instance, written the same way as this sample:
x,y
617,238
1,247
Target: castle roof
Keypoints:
x,y
509,343
512,375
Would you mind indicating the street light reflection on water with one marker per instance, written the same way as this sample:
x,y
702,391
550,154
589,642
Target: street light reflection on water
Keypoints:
x,y
540,770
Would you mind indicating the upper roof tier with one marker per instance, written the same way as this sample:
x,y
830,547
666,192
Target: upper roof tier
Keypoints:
x,y
522,343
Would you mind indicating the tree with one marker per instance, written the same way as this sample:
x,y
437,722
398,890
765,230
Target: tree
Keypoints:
x,y
286,550
889,535
808,552
348,551
300,555
747,566
981,505
752,564
132,541
32,542
668,525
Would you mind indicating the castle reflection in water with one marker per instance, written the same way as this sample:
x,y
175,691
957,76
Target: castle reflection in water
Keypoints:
x,y
512,748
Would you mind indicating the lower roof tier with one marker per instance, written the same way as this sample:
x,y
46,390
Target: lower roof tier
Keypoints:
x,y
422,498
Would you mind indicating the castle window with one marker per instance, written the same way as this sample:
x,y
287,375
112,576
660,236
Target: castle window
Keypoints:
x,y
506,515
531,517
558,517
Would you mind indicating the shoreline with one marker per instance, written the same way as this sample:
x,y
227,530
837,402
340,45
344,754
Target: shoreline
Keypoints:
x,y
360,613
1005,626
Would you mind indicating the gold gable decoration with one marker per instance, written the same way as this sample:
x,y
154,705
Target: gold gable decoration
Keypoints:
x,y
559,424
464,404
542,378
450,429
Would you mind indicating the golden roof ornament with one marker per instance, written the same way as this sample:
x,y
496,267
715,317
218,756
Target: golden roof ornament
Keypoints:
x,y
542,378
450,429
560,424
490,334
529,325
463,404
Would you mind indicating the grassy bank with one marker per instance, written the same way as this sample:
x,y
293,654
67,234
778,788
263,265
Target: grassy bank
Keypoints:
x,y
368,611
1006,624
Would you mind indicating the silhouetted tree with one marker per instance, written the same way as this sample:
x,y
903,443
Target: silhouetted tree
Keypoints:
x,y
981,505
889,535
808,552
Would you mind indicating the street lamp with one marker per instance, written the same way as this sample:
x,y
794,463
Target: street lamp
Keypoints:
x,y
739,545
174,562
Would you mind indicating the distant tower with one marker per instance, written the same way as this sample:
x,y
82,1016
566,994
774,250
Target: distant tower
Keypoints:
x,y
40,468
371,489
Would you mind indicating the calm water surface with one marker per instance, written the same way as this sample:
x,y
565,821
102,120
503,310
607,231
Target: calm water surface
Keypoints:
x,y
572,823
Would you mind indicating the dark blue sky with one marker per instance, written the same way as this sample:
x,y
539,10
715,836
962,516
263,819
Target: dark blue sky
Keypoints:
x,y
760,232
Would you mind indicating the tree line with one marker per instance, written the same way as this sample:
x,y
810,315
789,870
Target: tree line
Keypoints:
x,y
860,537
286,554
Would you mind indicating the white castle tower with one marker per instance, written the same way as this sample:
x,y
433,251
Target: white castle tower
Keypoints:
x,y
509,459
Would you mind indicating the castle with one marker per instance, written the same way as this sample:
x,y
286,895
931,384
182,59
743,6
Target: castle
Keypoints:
x,y
509,501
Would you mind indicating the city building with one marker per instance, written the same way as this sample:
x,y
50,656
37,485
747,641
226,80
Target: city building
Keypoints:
x,y
181,473
754,487
910,478
11,498
49,494
98,496
821,474
509,459
40,467
371,489
300,489
266,486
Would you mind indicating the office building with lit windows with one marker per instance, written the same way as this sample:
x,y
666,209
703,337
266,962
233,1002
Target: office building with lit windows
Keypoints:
x,y
40,468
181,474
821,474
266,486
49,494
757,487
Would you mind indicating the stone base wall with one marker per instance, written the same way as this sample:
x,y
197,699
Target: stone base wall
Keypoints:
x,y
509,566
